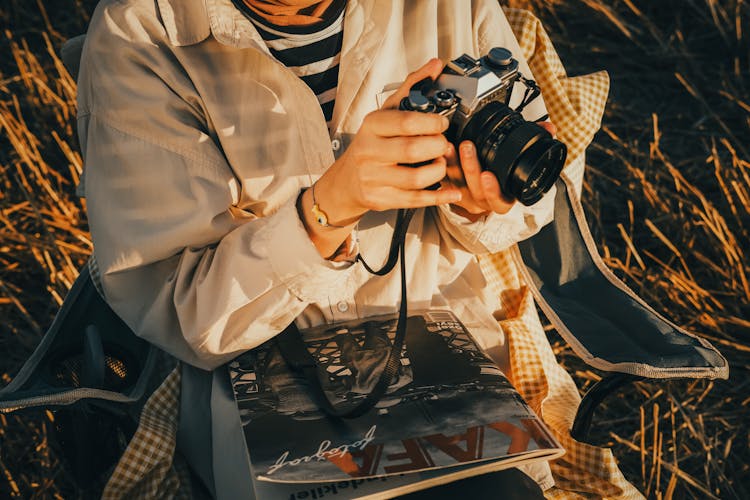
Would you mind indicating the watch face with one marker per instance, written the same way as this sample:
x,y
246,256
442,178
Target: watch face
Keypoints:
x,y
320,216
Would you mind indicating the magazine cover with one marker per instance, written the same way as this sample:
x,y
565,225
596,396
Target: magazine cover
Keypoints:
x,y
449,412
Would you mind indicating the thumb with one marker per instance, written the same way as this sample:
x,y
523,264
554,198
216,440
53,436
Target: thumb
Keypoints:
x,y
431,69
549,127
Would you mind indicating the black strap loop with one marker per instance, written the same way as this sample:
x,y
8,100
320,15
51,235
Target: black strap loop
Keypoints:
x,y
298,357
403,218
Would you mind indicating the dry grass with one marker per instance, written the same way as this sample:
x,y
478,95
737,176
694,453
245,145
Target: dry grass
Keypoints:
x,y
667,195
667,198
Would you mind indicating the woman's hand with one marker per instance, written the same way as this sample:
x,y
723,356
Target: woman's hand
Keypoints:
x,y
481,193
371,174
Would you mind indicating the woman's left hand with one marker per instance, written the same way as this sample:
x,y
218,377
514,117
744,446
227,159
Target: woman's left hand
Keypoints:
x,y
481,193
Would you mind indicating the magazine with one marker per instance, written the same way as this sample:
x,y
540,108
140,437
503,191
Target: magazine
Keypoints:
x,y
449,413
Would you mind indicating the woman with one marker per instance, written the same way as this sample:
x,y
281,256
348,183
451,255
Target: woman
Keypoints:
x,y
226,199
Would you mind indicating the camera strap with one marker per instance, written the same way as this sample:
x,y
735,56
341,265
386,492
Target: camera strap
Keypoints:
x,y
298,357
532,92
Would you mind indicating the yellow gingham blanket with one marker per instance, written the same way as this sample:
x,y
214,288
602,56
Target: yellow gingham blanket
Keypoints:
x,y
148,468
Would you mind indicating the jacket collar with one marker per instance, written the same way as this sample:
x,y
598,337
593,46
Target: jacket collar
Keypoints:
x,y
188,22
185,21
364,31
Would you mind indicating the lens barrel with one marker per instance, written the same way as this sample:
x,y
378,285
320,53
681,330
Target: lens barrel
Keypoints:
x,y
523,156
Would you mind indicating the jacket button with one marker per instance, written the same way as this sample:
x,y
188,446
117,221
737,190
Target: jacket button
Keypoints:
x,y
335,144
342,306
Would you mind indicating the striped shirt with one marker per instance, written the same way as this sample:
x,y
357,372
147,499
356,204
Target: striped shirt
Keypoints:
x,y
310,52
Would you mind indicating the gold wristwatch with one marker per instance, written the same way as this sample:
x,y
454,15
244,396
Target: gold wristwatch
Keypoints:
x,y
320,216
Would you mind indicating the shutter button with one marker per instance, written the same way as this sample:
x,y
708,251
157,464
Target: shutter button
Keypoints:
x,y
342,306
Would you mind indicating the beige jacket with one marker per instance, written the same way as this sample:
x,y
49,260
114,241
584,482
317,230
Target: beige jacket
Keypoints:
x,y
197,143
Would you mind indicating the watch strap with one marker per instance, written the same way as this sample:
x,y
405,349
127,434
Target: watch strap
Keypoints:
x,y
319,214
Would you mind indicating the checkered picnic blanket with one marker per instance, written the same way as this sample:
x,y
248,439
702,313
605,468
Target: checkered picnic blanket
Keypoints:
x,y
148,468
575,105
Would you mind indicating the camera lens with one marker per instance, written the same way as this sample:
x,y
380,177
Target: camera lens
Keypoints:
x,y
523,156
537,169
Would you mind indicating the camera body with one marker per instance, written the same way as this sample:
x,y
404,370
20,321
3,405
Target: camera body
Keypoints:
x,y
474,95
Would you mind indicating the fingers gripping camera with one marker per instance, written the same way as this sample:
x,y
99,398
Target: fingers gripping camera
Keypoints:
x,y
474,95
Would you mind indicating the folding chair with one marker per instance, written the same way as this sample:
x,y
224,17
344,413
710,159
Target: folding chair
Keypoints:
x,y
89,361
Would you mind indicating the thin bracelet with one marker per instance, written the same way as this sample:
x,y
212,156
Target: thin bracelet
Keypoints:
x,y
320,216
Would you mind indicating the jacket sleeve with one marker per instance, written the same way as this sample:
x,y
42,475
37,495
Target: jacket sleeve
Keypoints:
x,y
176,260
179,259
497,232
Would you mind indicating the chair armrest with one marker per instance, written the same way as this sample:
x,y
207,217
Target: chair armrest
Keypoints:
x,y
85,332
70,53
605,322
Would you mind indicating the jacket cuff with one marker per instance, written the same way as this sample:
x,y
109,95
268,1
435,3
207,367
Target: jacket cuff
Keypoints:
x,y
284,242
496,232
500,231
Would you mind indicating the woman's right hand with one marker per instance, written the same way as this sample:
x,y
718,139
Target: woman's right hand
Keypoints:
x,y
372,173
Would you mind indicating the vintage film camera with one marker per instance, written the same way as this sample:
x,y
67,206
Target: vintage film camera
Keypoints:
x,y
474,96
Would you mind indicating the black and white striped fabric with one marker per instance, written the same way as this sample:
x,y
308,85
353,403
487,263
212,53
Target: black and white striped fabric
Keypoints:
x,y
310,52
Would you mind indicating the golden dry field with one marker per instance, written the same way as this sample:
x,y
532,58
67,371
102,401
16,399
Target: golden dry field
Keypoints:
x,y
667,195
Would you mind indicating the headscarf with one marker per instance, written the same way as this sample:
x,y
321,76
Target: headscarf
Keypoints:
x,y
288,12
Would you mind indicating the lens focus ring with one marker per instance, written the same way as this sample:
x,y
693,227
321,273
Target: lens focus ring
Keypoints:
x,y
505,153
